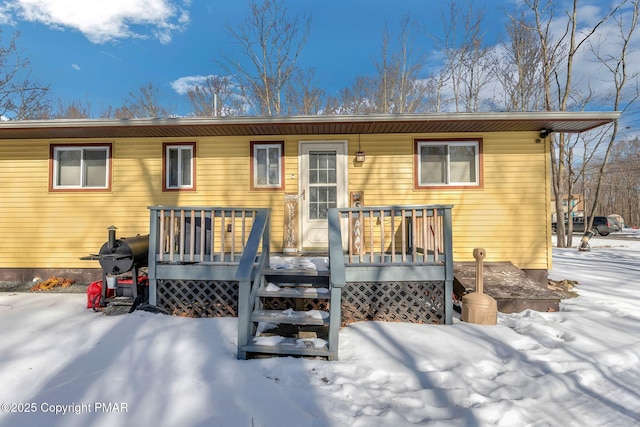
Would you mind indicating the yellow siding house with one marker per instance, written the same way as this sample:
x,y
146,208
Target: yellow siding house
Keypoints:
x,y
62,183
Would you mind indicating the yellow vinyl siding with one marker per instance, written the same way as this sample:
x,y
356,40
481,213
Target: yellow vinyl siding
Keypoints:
x,y
42,229
508,216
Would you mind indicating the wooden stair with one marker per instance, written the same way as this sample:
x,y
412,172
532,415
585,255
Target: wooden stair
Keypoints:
x,y
294,307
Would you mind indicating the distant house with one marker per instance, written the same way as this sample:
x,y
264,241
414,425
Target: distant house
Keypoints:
x,y
577,206
63,182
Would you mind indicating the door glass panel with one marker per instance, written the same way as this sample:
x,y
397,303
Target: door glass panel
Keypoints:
x,y
323,190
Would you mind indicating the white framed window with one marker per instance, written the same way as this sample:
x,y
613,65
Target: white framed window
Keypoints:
x,y
448,163
81,167
179,166
267,165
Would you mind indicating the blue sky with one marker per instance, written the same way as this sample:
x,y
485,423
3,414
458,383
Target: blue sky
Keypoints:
x,y
101,50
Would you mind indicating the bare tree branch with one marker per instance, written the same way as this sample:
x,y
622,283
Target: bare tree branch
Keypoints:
x,y
272,42
21,97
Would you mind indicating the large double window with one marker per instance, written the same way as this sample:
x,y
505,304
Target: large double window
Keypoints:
x,y
455,163
179,166
81,167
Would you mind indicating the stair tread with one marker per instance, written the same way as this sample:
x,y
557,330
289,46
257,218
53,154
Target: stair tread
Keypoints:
x,y
294,272
288,346
297,292
289,317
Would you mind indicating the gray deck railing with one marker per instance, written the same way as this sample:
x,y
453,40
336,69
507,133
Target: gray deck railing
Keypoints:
x,y
396,234
188,245
199,234
393,243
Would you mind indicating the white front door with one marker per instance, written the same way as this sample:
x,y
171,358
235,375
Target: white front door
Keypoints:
x,y
323,185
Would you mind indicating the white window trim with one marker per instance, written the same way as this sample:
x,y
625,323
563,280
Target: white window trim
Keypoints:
x,y
81,148
260,146
448,183
167,157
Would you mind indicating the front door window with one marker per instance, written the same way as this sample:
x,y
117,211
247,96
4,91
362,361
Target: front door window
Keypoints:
x,y
323,191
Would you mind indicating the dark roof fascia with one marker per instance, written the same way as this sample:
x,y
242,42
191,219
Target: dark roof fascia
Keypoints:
x,y
571,122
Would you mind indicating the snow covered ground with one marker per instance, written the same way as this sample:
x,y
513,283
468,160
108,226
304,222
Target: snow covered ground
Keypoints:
x,y
64,365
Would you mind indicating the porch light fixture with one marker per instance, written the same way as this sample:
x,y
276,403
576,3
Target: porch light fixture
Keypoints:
x,y
360,156
545,133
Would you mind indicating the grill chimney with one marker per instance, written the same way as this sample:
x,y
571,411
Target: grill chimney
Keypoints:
x,y
112,237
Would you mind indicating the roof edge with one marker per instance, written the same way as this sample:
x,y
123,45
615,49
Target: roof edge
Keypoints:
x,y
606,116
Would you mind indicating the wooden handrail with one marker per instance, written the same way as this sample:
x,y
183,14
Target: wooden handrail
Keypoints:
x,y
252,246
249,274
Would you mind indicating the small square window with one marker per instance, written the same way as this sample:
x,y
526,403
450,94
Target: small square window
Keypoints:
x,y
80,167
448,163
267,170
179,166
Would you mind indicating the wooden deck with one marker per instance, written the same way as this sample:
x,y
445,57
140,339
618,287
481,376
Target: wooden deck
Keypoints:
x,y
513,289
211,261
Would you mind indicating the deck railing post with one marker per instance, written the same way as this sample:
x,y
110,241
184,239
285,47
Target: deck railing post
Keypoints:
x,y
448,265
244,314
153,256
337,279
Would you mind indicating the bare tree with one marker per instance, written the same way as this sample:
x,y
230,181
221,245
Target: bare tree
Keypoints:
x,y
467,66
271,41
617,65
398,86
557,54
74,109
216,97
354,99
142,104
303,94
550,57
622,178
518,69
21,97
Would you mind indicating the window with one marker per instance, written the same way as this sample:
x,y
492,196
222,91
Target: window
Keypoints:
x,y
448,163
77,167
179,166
267,171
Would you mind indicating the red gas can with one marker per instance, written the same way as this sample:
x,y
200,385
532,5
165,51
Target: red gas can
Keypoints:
x,y
94,292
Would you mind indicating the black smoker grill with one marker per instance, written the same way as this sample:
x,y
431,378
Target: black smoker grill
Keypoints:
x,y
120,256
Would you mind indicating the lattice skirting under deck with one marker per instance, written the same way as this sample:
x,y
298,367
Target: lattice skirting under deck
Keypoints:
x,y
198,298
412,302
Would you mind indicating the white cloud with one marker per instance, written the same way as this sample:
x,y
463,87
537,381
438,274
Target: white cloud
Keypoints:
x,y
105,20
183,84
6,17
75,67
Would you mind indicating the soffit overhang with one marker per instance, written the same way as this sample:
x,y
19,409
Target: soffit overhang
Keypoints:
x,y
259,126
